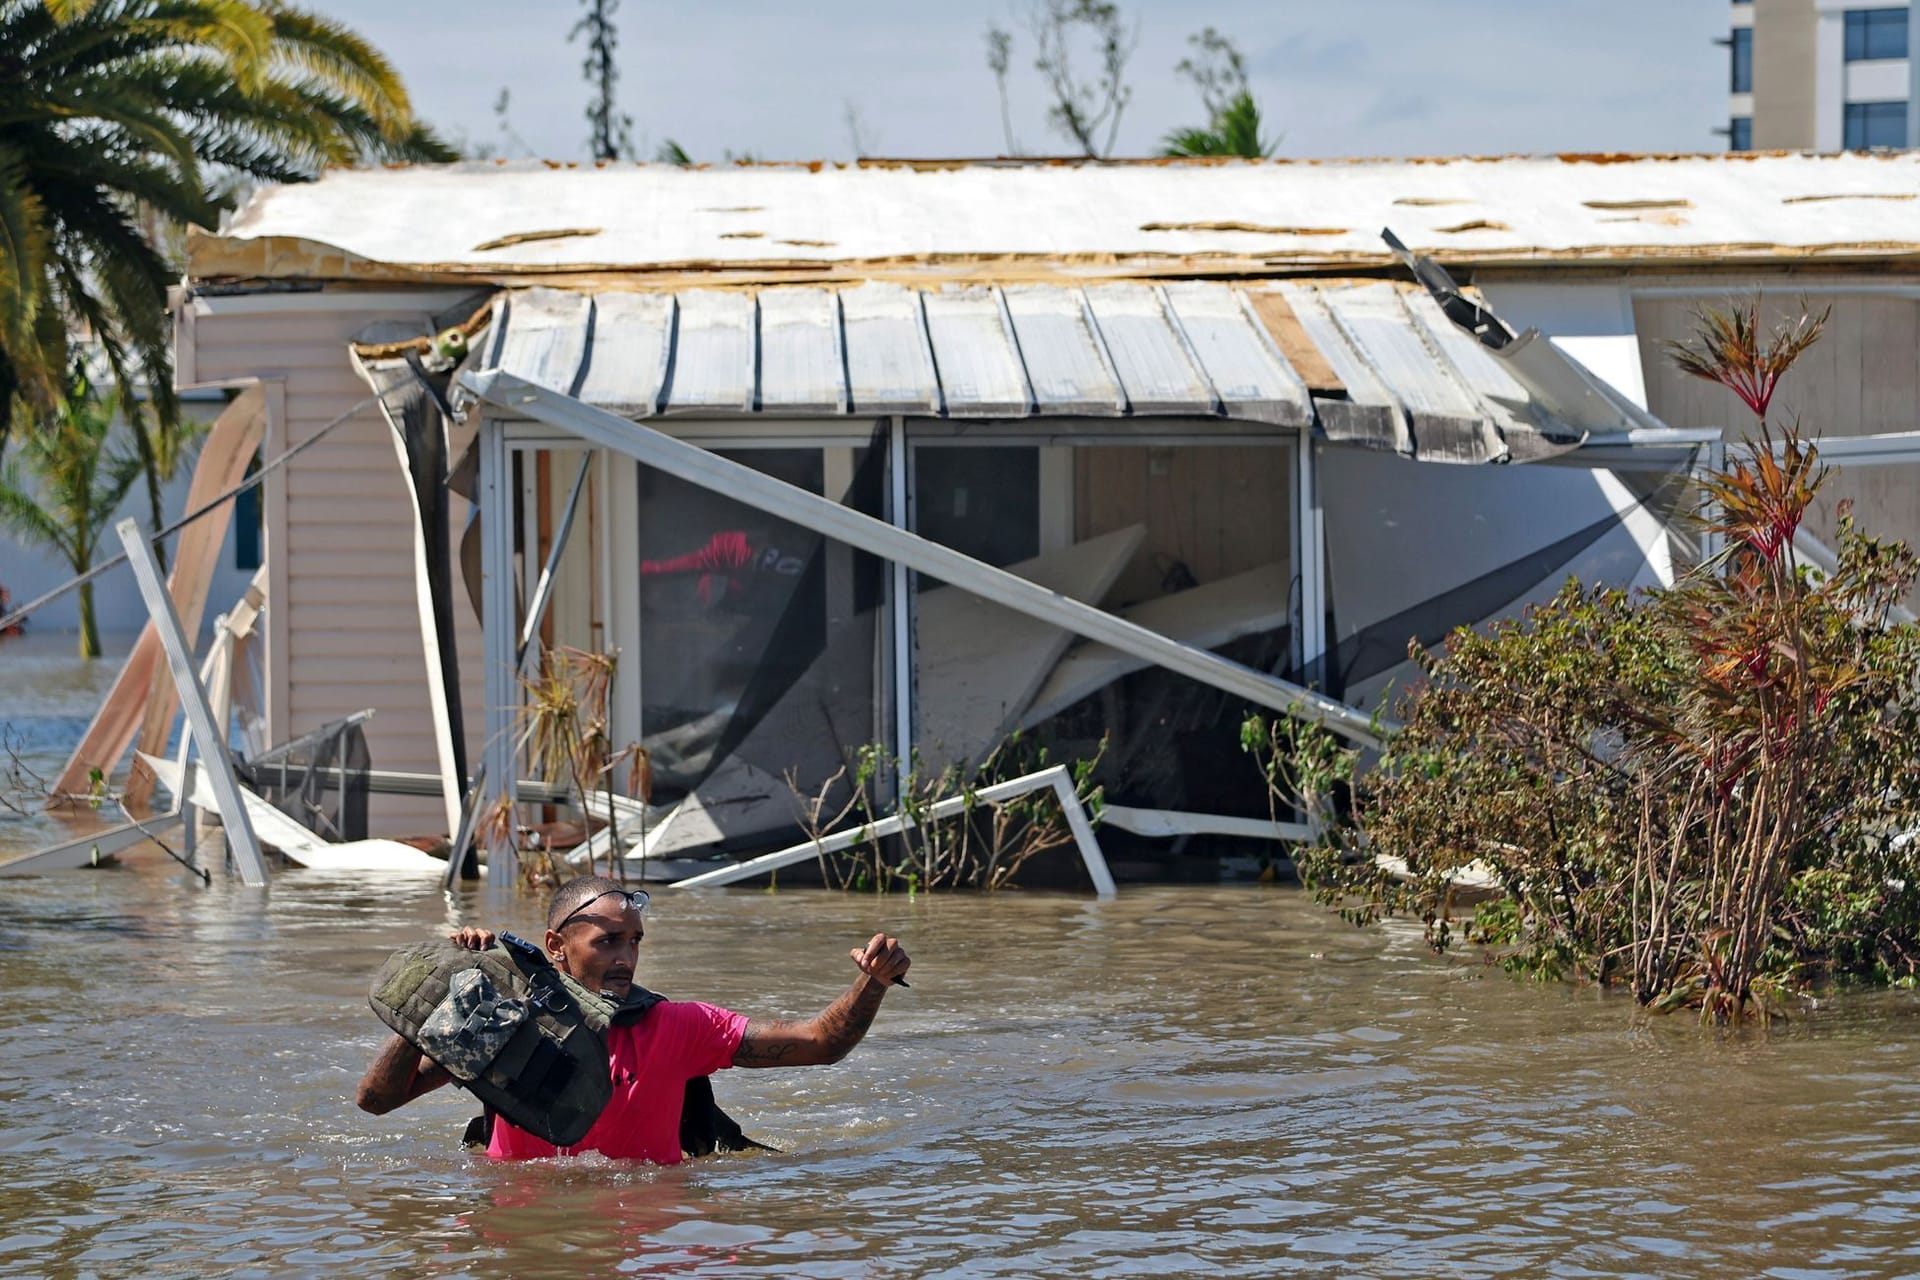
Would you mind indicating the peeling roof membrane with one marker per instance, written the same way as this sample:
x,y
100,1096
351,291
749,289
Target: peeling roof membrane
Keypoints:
x,y
921,222
1411,382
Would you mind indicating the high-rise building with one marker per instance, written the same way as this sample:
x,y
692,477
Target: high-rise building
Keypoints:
x,y
1821,75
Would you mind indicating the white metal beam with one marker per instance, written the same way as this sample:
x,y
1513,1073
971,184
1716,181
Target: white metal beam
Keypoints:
x,y
1160,823
823,515
1058,778
900,589
208,737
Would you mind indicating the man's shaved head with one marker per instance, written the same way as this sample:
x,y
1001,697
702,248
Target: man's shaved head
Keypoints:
x,y
576,893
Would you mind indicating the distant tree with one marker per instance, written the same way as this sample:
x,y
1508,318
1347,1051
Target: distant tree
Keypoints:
x,y
999,59
671,152
63,484
612,132
1080,110
1218,71
123,120
510,143
861,134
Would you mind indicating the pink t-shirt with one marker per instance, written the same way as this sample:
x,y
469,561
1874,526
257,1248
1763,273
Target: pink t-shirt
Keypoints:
x,y
652,1059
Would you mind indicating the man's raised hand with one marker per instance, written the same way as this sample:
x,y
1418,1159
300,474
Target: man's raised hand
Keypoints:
x,y
884,960
472,938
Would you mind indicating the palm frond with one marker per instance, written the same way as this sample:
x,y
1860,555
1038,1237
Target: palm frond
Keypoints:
x,y
67,10
23,516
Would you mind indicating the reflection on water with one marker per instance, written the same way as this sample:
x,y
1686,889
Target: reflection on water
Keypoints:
x,y
1184,1081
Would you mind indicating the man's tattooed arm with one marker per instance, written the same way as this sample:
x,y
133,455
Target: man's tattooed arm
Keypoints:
x,y
398,1076
825,1038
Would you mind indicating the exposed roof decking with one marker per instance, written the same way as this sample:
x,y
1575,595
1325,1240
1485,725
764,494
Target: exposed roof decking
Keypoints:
x,y
1048,221
1192,351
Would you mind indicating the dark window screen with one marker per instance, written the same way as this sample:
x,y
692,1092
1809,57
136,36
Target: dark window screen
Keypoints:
x,y
982,501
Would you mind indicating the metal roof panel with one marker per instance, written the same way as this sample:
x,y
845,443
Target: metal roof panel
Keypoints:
x,y
627,356
1065,360
1251,377
1156,366
715,353
889,363
802,367
981,374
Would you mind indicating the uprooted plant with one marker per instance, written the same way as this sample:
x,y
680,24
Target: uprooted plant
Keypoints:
x,y
981,844
1701,792
565,721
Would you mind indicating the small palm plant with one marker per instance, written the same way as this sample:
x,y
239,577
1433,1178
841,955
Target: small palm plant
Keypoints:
x,y
63,484
566,718
1234,130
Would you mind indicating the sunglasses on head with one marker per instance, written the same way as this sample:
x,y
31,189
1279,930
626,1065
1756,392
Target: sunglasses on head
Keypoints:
x,y
637,899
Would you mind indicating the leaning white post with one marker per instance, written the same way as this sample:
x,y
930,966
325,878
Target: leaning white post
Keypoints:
x,y
207,736
498,638
1090,851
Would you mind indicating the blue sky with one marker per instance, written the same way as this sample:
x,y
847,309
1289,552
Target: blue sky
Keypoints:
x,y
1359,78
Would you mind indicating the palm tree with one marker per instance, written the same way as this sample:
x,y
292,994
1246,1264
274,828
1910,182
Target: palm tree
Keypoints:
x,y
117,116
77,483
1233,131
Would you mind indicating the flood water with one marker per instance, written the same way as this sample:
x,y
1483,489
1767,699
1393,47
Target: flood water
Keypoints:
x,y
1185,1081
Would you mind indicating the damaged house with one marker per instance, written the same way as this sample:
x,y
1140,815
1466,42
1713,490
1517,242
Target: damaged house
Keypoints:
x,y
925,454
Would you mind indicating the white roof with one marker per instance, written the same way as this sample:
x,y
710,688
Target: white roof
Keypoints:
x,y
1007,221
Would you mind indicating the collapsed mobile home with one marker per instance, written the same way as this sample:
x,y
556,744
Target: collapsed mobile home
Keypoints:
x,y
925,454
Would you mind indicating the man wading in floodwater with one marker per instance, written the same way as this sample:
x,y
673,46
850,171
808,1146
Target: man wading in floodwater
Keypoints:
x,y
594,929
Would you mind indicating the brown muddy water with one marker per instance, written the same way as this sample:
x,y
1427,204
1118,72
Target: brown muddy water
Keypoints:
x,y
1185,1081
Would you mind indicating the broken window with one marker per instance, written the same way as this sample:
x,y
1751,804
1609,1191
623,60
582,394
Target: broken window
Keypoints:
x,y
1190,540
758,642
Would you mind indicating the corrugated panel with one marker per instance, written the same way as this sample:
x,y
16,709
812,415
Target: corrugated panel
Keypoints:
x,y
1149,353
889,364
802,368
1066,362
714,353
1251,377
544,339
1448,421
1368,415
1527,430
1372,364
981,373
627,358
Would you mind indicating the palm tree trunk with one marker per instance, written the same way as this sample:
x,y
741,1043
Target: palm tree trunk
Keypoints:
x,y
89,629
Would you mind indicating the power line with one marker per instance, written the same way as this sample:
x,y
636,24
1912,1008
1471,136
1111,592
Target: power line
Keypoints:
x,y
19,614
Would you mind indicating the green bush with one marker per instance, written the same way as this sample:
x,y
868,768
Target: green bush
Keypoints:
x,y
1697,792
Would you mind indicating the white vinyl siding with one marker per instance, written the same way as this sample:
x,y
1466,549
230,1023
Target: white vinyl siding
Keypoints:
x,y
339,535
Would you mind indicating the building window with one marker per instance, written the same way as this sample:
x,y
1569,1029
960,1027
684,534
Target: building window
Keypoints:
x,y
1740,133
1742,45
1873,126
1876,34
247,524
